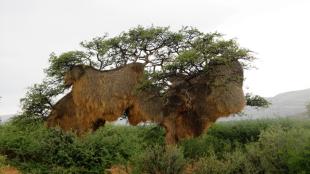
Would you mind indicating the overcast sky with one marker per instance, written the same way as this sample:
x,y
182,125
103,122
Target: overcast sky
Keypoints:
x,y
278,31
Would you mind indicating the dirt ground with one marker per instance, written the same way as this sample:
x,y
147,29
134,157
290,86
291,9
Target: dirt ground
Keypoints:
x,y
119,169
9,170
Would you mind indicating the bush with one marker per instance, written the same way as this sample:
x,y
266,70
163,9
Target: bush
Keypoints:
x,y
114,144
36,149
153,135
224,137
206,145
239,131
161,159
210,165
2,161
259,146
282,151
283,147
232,163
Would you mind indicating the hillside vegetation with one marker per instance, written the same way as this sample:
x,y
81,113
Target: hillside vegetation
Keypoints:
x,y
257,146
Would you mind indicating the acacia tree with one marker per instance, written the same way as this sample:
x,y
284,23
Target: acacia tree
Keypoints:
x,y
166,54
256,101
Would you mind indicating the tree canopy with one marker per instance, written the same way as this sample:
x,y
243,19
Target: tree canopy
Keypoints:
x,y
256,100
166,54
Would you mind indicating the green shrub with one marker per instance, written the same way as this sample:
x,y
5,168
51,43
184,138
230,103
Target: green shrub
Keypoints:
x,y
281,150
224,137
210,165
235,162
283,147
256,146
161,159
206,145
239,131
114,144
2,161
36,149
153,135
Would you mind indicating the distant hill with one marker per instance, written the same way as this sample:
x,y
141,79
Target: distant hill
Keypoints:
x,y
290,103
283,105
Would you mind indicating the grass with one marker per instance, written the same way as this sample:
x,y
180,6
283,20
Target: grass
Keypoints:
x,y
254,146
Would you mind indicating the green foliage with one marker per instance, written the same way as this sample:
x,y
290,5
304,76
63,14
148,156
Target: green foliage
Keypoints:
x,y
210,165
224,137
256,101
205,145
205,48
36,149
2,161
161,159
242,132
194,56
279,149
38,100
153,136
230,163
137,44
256,146
166,54
58,65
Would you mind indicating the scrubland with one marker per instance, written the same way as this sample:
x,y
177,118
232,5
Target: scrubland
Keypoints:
x,y
252,146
